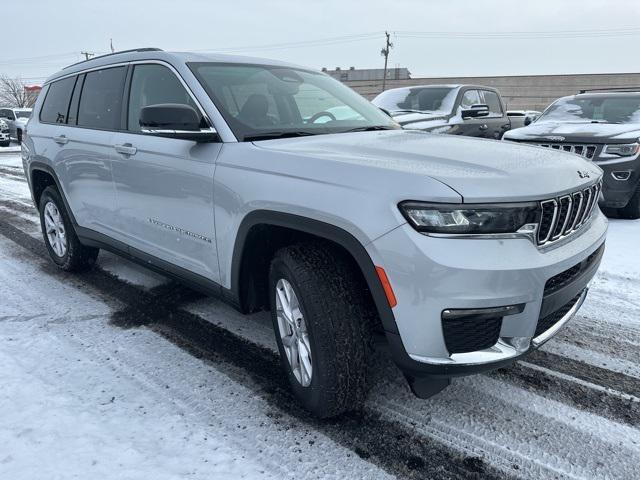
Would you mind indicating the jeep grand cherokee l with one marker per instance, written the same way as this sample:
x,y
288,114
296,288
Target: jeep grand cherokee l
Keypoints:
x,y
604,128
233,175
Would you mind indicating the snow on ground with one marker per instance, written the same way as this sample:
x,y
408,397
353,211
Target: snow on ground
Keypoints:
x,y
82,399
11,149
112,403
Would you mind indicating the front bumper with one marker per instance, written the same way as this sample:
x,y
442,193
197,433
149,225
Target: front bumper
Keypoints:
x,y
430,275
620,181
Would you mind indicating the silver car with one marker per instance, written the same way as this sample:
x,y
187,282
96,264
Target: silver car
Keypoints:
x,y
17,119
4,134
237,176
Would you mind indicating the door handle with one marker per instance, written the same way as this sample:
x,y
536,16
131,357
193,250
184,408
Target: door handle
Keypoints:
x,y
483,126
61,140
126,149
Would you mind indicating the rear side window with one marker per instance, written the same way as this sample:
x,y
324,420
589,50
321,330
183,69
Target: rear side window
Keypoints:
x,y
493,102
56,104
153,85
101,99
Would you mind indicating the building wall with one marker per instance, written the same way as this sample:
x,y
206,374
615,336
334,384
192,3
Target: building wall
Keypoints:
x,y
368,74
530,92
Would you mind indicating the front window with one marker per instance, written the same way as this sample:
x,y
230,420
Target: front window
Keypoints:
x,y
418,99
617,108
261,101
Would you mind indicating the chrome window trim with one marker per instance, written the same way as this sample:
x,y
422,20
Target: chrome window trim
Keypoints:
x,y
213,128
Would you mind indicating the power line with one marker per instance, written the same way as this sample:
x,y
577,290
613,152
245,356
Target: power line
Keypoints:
x,y
624,31
299,44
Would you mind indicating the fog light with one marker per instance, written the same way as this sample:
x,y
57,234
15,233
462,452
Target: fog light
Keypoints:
x,y
622,175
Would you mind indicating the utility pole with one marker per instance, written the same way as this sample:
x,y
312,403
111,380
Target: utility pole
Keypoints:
x,y
385,53
87,55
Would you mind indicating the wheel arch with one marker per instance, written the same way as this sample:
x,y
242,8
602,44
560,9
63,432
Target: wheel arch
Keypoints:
x,y
41,176
252,224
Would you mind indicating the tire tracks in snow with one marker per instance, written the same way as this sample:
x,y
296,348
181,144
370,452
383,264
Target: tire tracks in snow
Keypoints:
x,y
394,447
368,434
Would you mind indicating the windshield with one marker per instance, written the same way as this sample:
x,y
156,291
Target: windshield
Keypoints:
x,y
606,109
23,113
418,99
262,102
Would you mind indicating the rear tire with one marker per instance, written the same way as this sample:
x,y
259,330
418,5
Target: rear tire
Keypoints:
x,y
60,237
632,209
332,318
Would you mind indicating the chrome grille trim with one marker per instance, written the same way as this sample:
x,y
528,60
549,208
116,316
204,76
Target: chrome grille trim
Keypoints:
x,y
584,150
578,210
580,204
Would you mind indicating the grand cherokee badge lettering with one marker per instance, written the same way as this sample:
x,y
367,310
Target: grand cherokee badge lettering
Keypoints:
x,y
180,230
555,138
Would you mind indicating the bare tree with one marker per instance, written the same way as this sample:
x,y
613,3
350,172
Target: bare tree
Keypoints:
x,y
14,94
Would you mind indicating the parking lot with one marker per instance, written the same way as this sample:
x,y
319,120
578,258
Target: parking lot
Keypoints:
x,y
120,370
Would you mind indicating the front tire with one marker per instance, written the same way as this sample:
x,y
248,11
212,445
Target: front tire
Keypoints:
x,y
320,317
19,136
5,144
59,236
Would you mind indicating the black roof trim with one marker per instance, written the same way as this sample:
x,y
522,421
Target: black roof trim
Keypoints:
x,y
147,49
611,89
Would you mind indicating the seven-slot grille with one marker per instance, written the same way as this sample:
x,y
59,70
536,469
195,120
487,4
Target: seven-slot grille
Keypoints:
x,y
586,151
564,215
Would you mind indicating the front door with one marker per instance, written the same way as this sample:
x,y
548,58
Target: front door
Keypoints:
x,y
165,186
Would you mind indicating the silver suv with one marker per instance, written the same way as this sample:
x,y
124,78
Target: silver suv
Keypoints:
x,y
235,176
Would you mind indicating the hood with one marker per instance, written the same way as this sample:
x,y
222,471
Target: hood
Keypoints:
x,y
574,132
406,119
21,121
479,170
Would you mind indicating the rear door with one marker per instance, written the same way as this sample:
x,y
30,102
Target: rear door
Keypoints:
x,y
165,185
497,122
86,153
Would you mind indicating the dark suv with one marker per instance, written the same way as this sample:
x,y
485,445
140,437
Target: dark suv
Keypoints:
x,y
603,127
470,110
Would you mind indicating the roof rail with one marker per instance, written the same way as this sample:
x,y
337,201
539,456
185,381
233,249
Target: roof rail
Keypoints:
x,y
611,89
147,49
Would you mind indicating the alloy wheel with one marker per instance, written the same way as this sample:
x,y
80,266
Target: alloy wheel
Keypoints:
x,y
293,332
54,228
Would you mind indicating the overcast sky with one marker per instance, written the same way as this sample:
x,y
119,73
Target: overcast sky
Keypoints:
x,y
54,32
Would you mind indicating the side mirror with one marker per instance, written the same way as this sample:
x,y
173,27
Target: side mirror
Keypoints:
x,y
527,121
476,111
173,120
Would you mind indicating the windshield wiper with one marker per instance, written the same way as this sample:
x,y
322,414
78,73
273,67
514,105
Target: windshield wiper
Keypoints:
x,y
273,135
406,111
368,129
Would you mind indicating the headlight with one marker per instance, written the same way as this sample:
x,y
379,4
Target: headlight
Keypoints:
x,y
622,149
470,219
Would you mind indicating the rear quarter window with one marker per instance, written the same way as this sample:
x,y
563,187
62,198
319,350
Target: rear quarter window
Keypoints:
x,y
56,104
